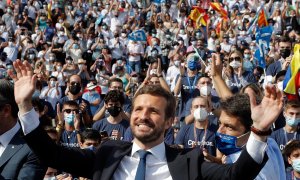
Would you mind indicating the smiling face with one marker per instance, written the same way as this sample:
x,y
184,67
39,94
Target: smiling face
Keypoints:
x,y
148,120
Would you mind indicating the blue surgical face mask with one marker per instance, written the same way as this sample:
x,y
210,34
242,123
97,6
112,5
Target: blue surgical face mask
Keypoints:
x,y
192,65
296,165
91,147
291,121
50,178
226,144
247,56
69,118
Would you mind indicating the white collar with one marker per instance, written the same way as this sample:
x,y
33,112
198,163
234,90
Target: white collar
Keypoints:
x,y
158,151
8,135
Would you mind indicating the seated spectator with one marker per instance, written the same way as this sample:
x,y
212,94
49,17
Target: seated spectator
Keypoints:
x,y
92,96
66,124
200,133
292,153
291,130
114,125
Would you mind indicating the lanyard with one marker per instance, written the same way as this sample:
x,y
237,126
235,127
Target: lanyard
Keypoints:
x,y
191,88
285,136
196,138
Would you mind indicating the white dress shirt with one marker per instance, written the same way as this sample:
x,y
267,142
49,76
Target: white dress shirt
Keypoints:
x,y
156,162
6,137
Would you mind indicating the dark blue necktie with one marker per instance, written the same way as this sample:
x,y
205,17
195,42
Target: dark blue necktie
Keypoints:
x,y
141,170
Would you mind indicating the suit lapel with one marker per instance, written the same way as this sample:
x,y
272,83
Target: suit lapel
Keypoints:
x,y
178,164
12,148
114,161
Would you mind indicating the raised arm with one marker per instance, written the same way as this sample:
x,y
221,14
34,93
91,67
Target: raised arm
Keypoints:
x,y
75,161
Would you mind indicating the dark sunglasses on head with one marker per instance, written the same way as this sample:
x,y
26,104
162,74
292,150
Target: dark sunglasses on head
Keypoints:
x,y
235,58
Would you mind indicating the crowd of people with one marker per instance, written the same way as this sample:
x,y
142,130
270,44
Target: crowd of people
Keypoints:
x,y
92,61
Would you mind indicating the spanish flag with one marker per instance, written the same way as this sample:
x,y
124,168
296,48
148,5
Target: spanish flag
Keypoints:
x,y
291,83
199,16
218,8
262,18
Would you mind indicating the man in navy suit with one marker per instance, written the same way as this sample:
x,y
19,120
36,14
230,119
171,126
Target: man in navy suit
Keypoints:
x,y
153,112
17,161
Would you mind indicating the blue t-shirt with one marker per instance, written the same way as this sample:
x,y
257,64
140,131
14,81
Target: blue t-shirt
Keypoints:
x,y
290,175
69,139
282,137
188,91
169,136
91,97
187,138
104,125
274,68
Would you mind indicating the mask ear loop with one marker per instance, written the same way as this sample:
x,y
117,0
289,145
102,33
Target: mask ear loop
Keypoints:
x,y
241,137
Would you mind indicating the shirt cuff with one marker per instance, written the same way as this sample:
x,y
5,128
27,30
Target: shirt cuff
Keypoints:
x,y
256,148
29,121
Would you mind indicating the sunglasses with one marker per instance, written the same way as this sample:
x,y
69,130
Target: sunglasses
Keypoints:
x,y
235,58
68,111
74,83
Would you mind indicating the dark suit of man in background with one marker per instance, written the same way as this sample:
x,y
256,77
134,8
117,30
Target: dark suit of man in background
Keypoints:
x,y
17,161
153,112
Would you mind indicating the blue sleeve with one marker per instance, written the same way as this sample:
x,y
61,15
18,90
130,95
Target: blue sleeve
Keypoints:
x,y
180,136
169,137
128,135
97,125
88,108
270,70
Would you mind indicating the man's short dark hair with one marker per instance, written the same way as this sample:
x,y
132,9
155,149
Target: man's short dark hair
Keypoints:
x,y
238,106
114,96
290,147
292,104
161,92
91,134
114,80
7,96
71,103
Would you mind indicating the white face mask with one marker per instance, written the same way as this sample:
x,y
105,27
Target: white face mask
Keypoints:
x,y
280,85
177,63
205,90
153,71
235,64
200,114
52,83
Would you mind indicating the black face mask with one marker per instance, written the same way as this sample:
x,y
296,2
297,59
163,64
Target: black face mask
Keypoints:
x,y
285,53
75,89
114,111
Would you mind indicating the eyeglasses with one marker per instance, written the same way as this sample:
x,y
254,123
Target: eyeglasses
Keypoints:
x,y
68,111
74,83
247,53
235,58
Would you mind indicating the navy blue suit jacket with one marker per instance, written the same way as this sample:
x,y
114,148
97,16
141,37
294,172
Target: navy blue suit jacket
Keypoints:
x,y
19,162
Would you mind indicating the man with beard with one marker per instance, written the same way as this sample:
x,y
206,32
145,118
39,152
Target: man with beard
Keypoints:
x,y
283,63
114,124
74,94
148,156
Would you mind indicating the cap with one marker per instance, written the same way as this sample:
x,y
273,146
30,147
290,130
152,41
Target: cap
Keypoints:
x,y
91,86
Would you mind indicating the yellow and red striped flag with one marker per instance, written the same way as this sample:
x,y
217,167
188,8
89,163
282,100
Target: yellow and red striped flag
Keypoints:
x,y
262,18
218,8
199,16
